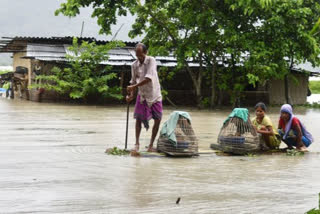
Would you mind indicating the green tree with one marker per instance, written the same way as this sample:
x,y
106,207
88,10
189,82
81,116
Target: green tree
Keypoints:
x,y
316,29
185,28
281,39
84,77
254,40
182,28
206,32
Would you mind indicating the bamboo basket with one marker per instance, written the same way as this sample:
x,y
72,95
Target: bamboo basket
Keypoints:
x,y
187,143
237,137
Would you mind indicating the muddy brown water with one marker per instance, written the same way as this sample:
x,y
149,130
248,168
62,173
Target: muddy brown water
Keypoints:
x,y
53,161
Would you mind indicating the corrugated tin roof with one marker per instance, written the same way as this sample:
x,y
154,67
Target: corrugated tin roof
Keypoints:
x,y
308,67
118,54
117,57
40,50
121,54
133,53
55,49
10,44
50,59
61,39
120,51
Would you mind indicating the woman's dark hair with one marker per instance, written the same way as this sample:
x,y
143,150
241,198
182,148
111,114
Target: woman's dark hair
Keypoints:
x,y
261,105
143,46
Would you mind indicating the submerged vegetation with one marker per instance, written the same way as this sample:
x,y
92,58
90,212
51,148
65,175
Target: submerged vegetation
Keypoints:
x,y
117,151
311,105
294,152
251,155
314,210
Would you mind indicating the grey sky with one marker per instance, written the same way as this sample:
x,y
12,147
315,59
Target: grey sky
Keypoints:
x,y
36,18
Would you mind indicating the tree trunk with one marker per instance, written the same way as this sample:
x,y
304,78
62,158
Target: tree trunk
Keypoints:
x,y
198,94
236,97
286,82
213,86
286,90
197,81
220,98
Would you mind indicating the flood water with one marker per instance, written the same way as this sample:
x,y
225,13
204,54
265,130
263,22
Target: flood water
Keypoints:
x,y
53,161
314,98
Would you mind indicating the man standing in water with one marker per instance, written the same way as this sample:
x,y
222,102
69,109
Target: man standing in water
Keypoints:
x,y
144,77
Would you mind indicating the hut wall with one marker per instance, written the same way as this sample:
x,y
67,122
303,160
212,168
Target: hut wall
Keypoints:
x,y
298,90
19,61
21,90
253,97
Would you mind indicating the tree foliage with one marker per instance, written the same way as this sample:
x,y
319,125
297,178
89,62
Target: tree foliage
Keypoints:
x,y
281,38
84,77
316,29
234,42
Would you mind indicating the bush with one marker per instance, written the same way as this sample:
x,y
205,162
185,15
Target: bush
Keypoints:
x,y
85,77
4,72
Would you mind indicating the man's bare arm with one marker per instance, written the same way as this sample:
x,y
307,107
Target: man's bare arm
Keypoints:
x,y
131,88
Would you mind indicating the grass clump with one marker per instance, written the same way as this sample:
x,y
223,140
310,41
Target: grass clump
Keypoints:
x,y
312,105
117,151
294,152
315,86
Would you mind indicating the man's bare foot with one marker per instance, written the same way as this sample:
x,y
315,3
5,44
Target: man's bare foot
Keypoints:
x,y
151,149
136,147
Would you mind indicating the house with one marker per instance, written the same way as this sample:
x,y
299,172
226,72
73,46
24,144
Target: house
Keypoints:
x,y
38,55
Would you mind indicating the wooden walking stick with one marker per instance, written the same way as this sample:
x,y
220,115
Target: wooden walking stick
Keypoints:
x,y
126,144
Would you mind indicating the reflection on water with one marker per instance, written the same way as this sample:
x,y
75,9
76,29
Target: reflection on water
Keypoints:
x,y
52,160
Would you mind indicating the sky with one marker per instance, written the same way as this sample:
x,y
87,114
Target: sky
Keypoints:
x,y
36,18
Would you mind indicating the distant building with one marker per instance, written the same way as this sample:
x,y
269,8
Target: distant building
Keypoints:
x,y
38,55
33,56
